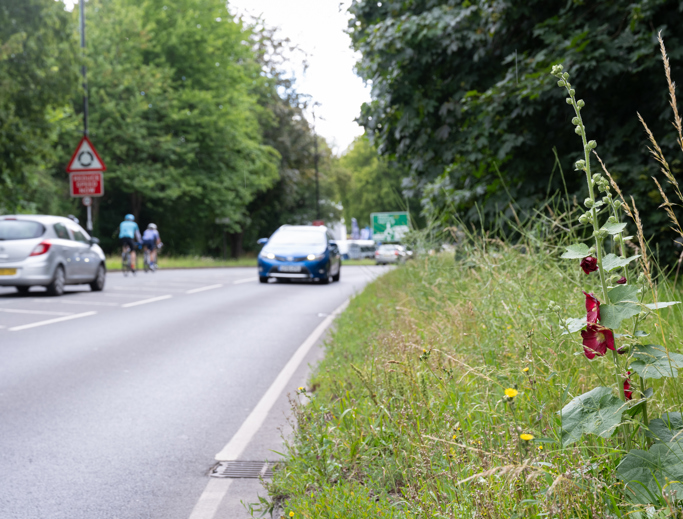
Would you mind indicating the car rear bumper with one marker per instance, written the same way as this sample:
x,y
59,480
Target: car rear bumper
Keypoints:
x,y
26,275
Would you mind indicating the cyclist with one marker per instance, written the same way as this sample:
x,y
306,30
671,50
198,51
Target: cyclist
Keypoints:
x,y
151,240
128,232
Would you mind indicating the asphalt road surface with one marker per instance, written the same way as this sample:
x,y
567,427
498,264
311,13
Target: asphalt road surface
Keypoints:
x,y
114,404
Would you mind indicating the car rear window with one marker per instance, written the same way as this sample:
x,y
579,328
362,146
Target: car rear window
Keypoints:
x,y
20,230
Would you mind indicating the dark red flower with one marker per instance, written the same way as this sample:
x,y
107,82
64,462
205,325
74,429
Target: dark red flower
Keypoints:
x,y
589,264
622,281
592,308
627,387
597,340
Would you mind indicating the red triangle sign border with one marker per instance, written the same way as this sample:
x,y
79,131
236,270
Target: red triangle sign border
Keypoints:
x,y
70,168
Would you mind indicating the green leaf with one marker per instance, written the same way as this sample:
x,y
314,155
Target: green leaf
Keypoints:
x,y
641,333
612,261
658,306
646,472
596,412
575,324
612,315
576,251
613,228
666,429
623,293
653,361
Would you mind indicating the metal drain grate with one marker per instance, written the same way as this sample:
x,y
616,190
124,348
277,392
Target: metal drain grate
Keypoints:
x,y
243,469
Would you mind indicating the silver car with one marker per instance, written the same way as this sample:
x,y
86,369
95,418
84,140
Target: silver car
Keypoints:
x,y
390,253
50,251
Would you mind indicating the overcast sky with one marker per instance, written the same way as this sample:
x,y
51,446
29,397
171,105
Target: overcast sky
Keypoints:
x,y
317,27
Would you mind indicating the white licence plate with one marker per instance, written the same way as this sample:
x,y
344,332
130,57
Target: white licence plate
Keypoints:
x,y
290,268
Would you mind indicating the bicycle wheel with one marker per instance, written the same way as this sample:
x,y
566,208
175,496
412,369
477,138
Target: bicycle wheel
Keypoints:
x,y
145,263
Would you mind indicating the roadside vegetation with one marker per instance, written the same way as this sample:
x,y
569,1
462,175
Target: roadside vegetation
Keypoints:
x,y
533,374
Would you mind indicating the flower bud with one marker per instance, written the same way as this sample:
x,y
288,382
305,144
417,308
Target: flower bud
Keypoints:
x,y
569,100
592,145
641,278
597,178
578,130
612,219
589,202
606,199
583,219
617,204
572,92
580,103
560,83
613,279
565,75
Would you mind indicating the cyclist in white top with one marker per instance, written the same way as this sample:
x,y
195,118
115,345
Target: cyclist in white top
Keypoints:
x,y
151,240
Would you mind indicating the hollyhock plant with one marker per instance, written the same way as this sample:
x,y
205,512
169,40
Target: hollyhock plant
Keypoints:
x,y
589,264
592,308
628,393
597,340
621,281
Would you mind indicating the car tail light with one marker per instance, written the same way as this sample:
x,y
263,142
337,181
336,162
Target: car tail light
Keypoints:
x,y
376,253
395,253
41,248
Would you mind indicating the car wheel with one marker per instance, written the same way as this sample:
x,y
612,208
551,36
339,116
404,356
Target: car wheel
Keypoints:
x,y
56,286
263,279
23,290
337,276
97,284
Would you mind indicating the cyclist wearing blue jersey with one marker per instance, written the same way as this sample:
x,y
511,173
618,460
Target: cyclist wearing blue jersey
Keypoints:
x,y
129,233
151,241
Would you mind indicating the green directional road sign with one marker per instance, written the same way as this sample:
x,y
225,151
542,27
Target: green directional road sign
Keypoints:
x,y
389,227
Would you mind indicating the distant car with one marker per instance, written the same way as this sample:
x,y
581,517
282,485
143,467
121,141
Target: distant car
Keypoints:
x,y
390,253
300,252
50,251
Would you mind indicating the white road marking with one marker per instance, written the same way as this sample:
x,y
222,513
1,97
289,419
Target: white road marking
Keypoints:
x,y
51,321
215,490
145,301
125,295
147,289
201,289
240,281
34,312
95,303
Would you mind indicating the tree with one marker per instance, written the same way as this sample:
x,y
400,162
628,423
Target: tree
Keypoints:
x,y
174,115
38,74
462,87
368,183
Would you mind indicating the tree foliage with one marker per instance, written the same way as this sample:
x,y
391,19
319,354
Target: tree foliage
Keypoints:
x,y
462,87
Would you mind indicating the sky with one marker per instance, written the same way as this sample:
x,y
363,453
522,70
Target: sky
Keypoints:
x,y
317,27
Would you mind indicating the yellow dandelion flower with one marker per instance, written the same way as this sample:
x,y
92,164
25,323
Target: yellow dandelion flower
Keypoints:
x,y
291,514
301,388
525,370
511,393
509,327
540,447
526,436
424,351
455,436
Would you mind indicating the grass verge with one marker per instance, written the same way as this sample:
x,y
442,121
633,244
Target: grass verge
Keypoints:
x,y
406,415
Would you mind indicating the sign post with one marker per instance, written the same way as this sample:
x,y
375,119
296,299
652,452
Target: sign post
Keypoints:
x,y
389,227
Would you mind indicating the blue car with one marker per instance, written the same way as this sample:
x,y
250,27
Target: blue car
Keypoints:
x,y
299,252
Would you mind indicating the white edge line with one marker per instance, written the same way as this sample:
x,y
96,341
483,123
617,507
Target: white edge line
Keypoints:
x,y
215,490
240,281
145,301
201,289
50,321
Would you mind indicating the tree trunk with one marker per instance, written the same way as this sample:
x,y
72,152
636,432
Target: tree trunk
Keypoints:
x,y
236,244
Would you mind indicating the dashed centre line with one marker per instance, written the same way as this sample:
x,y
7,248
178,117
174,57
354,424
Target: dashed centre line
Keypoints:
x,y
145,301
50,321
58,301
202,289
240,281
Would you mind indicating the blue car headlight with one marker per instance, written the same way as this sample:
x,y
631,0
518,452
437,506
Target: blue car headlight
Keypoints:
x,y
266,255
313,257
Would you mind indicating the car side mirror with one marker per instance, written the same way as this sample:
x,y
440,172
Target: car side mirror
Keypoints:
x,y
333,245
262,241
94,241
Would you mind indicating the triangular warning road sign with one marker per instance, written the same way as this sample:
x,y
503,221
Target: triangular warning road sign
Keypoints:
x,y
85,158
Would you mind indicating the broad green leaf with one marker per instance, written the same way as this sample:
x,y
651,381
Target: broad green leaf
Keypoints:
x,y
653,361
641,333
667,428
612,315
658,306
623,293
646,472
576,251
596,412
614,228
612,261
575,324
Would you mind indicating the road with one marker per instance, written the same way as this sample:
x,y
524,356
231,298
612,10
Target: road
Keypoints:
x,y
114,404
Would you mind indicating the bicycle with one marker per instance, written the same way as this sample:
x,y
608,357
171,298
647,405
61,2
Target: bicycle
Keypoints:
x,y
147,264
126,262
